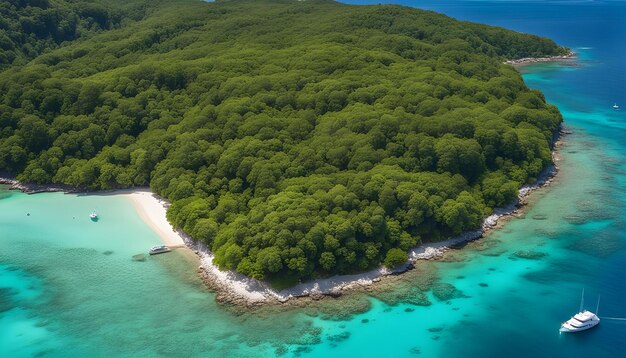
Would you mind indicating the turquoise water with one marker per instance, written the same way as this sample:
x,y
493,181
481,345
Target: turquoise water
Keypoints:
x,y
69,286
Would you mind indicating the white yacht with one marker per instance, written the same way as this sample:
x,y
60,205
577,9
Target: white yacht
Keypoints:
x,y
581,321
155,250
615,106
93,215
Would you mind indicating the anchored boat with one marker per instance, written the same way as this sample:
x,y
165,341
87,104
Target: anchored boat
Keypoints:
x,y
583,320
155,250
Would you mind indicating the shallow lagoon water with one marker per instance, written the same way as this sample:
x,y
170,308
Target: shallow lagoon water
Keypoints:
x,y
69,287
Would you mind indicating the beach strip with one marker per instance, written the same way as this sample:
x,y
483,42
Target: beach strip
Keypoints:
x,y
152,211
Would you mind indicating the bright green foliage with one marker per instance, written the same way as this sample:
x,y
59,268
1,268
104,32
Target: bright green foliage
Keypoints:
x,y
395,257
296,139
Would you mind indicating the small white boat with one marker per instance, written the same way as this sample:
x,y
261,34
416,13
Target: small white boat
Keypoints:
x,y
615,106
581,321
93,216
155,250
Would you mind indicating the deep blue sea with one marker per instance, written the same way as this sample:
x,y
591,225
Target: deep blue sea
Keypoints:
x,y
69,288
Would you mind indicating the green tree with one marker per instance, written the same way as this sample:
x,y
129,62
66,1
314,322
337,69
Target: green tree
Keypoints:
x,y
395,257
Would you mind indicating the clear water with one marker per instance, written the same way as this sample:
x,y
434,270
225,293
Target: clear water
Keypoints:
x,y
69,287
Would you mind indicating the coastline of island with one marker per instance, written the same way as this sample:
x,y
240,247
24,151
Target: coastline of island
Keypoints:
x,y
530,60
234,288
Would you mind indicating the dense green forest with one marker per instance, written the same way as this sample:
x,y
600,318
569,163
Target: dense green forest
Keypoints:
x,y
29,28
296,139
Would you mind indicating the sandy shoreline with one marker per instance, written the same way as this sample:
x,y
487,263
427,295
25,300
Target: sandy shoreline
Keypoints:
x,y
152,211
150,207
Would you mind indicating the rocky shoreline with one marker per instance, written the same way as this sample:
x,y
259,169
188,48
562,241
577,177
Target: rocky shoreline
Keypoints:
x,y
529,60
236,289
27,188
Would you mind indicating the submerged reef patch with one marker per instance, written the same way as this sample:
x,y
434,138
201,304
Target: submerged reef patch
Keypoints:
x,y
340,337
408,295
139,257
415,351
529,254
602,244
6,302
446,291
575,219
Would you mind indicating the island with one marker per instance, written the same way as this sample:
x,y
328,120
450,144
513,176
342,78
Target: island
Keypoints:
x,y
296,140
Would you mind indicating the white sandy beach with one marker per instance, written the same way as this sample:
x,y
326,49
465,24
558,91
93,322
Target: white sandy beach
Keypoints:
x,y
152,210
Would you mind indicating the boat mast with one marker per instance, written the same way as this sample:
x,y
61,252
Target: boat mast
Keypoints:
x,y
598,306
582,300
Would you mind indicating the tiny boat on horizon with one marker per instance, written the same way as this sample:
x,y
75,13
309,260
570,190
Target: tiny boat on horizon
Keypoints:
x,y
581,321
160,249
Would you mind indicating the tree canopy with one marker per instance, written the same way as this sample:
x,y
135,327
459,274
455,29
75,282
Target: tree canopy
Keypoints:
x,y
29,28
296,139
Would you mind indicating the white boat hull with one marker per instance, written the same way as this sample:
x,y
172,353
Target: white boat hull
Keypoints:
x,y
582,321
572,330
